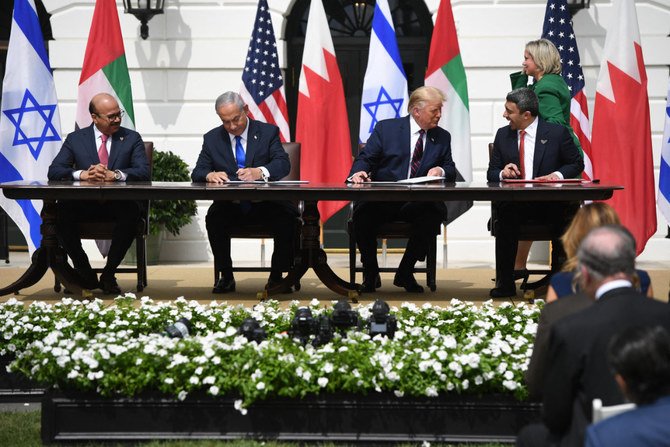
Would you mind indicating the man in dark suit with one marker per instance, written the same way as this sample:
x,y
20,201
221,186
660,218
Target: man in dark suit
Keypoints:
x,y
247,150
549,153
102,152
398,149
577,369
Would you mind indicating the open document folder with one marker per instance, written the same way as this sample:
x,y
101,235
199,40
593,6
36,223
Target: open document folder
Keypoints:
x,y
423,179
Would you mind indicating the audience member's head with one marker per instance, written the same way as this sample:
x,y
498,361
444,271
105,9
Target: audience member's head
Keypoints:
x,y
640,359
545,55
588,217
607,253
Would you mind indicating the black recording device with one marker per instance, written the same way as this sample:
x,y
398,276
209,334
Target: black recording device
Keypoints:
x,y
252,330
381,321
179,329
343,316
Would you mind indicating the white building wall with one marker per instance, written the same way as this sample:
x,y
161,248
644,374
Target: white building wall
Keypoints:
x,y
196,51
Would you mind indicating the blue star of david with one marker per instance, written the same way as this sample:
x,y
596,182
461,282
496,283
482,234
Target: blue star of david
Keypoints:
x,y
25,112
373,107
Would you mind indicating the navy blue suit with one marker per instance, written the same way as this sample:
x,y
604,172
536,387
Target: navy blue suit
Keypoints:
x,y
577,369
79,152
387,157
555,150
645,426
263,149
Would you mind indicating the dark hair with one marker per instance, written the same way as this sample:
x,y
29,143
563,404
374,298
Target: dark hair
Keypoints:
x,y
608,250
641,355
525,99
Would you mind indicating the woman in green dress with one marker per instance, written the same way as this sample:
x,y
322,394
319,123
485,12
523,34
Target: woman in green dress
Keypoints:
x,y
542,62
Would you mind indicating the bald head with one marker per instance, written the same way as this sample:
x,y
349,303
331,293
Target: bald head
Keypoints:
x,y
608,251
105,113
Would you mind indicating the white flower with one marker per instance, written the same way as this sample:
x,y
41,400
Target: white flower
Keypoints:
x,y
398,393
328,367
510,384
169,380
182,395
214,390
208,380
431,391
260,386
194,380
73,374
322,381
238,406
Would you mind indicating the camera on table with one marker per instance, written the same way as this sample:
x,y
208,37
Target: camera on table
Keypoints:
x,y
304,326
381,321
252,330
179,329
344,317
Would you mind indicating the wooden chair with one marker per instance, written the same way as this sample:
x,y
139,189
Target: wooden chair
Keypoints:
x,y
389,230
104,230
262,231
530,230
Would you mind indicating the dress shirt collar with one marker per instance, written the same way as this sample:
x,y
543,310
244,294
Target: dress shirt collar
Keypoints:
x,y
531,130
611,285
97,134
244,138
414,128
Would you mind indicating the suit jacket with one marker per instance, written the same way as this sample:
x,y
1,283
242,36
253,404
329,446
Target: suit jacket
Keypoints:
x,y
263,149
387,156
551,313
578,371
555,150
644,426
79,152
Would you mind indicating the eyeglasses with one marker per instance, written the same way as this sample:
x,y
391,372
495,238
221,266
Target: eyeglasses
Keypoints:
x,y
113,116
235,120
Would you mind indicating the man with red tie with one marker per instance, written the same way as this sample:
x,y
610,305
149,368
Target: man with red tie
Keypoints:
x,y
401,148
103,152
529,148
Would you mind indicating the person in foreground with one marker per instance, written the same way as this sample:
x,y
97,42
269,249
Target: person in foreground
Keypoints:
x,y
102,152
589,216
247,150
577,369
529,148
640,358
398,149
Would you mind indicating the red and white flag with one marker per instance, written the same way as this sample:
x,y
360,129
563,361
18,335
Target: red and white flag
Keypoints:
x,y
262,82
621,136
322,127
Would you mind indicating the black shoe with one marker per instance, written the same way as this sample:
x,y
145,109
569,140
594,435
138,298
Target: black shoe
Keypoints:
x,y
224,285
521,274
408,282
272,283
109,286
503,292
370,283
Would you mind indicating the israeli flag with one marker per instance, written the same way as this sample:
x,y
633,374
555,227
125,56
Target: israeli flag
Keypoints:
x,y
29,120
385,83
664,172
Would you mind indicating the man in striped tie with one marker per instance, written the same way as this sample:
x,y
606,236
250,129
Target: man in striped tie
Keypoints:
x,y
401,148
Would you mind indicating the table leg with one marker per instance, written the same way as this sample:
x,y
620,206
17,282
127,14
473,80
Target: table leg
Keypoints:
x,y
48,255
312,256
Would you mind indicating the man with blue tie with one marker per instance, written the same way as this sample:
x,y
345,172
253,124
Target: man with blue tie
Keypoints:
x,y
398,149
247,150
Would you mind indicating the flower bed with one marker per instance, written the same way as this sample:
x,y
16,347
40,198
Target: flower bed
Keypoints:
x,y
121,350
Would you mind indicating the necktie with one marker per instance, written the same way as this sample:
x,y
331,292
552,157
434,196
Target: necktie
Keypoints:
x,y
102,150
239,152
522,154
418,153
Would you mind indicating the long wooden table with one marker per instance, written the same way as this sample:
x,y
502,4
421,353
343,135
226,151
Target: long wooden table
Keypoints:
x,y
311,255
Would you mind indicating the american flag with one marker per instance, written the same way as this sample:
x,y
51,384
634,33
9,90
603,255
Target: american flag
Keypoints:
x,y
558,29
262,82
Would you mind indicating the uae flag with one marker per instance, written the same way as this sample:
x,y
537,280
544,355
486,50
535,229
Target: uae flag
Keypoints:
x,y
621,135
322,127
446,72
105,69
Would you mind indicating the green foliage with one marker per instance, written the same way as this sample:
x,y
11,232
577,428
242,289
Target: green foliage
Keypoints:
x,y
170,214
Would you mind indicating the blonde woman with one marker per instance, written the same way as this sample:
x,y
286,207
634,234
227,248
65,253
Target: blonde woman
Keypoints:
x,y
588,217
542,62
